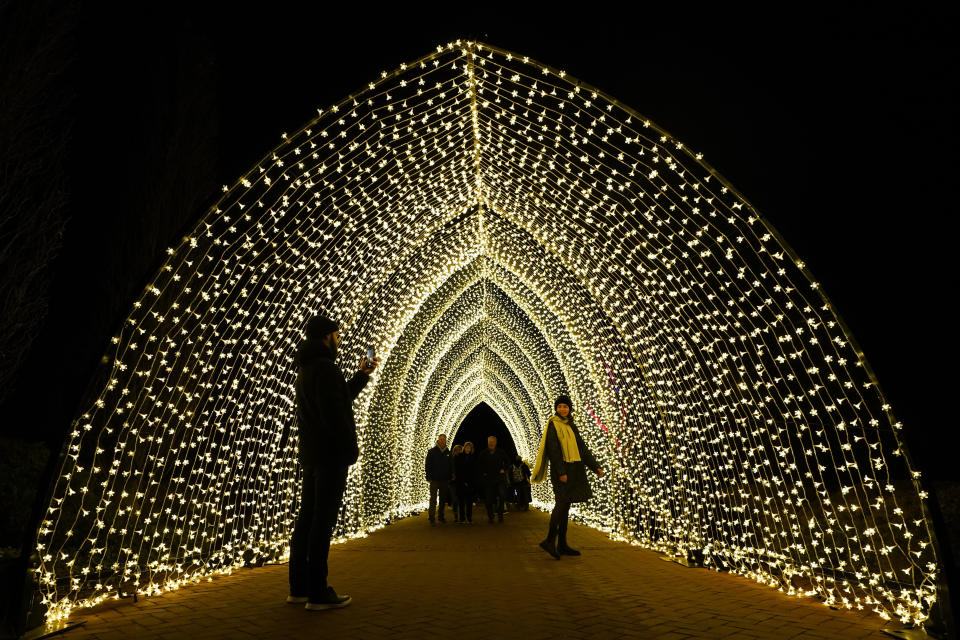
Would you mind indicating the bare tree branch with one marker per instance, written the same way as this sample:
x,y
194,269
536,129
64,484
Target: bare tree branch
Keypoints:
x,y
35,128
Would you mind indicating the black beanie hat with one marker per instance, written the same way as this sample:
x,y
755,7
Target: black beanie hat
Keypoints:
x,y
563,400
320,326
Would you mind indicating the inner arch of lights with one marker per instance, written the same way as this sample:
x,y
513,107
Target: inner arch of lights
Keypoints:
x,y
501,233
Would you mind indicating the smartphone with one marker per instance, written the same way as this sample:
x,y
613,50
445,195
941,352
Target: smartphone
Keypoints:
x,y
371,354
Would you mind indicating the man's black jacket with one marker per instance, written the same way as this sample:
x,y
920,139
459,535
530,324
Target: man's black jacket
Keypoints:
x,y
489,465
439,464
328,433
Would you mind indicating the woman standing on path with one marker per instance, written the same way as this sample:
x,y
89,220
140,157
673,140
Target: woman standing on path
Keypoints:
x,y
564,447
465,470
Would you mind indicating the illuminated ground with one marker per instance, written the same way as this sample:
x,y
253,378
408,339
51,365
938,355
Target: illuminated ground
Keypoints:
x,y
413,581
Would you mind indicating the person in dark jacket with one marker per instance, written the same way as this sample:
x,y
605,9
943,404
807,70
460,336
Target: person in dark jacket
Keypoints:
x,y
464,474
439,470
519,477
563,446
492,466
454,501
328,446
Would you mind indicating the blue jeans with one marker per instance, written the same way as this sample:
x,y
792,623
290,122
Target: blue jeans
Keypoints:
x,y
321,496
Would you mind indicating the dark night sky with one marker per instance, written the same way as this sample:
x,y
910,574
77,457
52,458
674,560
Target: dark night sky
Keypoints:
x,y
481,423
834,126
838,127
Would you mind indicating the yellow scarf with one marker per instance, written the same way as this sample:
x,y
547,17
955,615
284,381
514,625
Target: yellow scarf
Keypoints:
x,y
568,443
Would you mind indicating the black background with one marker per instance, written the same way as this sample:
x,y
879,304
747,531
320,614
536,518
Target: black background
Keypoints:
x,y
481,423
836,124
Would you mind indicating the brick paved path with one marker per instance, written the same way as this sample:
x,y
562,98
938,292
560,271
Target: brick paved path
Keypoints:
x,y
486,581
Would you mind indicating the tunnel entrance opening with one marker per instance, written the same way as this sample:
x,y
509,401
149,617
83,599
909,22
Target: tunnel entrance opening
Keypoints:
x,y
480,423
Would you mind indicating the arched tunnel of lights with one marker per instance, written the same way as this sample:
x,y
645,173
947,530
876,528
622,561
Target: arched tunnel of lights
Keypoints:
x,y
502,234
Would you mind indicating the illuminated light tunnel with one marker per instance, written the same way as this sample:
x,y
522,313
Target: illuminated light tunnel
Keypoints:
x,y
502,233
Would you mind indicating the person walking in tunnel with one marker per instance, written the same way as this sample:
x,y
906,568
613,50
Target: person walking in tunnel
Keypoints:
x,y
520,482
464,474
568,455
439,470
492,466
454,499
328,447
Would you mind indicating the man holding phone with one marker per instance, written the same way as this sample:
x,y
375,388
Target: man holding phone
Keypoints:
x,y
328,447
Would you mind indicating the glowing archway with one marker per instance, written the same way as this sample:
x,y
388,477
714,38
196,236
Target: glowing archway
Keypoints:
x,y
501,233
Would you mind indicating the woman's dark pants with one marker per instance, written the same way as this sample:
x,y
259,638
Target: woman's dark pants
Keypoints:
x,y
321,496
465,502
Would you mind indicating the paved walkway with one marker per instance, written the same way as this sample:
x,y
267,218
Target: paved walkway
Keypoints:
x,y
486,581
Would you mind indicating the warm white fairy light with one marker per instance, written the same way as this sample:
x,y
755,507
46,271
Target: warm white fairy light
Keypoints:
x,y
502,234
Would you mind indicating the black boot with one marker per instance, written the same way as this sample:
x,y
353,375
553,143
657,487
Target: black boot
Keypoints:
x,y
548,545
562,547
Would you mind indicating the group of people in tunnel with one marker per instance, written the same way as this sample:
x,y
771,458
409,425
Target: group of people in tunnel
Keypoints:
x,y
461,476
328,446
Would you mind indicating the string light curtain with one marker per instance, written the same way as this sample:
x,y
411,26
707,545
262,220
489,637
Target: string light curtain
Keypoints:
x,y
502,234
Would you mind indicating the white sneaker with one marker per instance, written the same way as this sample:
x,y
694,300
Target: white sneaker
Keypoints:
x,y
297,599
